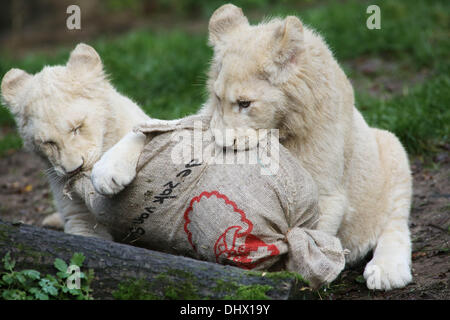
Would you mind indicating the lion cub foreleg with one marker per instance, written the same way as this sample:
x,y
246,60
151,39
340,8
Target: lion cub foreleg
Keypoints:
x,y
117,167
390,266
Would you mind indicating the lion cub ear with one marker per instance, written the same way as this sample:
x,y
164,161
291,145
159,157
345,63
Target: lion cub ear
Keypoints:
x,y
223,21
13,81
84,58
288,40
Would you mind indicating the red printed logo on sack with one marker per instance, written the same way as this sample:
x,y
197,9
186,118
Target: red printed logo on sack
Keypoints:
x,y
231,231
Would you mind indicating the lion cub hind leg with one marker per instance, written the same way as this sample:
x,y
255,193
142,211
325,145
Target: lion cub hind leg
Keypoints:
x,y
390,266
333,206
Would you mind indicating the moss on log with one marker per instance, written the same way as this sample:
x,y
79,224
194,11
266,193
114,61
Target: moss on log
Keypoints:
x,y
126,272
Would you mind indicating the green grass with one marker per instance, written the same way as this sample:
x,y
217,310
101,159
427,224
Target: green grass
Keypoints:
x,y
409,29
10,141
420,118
164,71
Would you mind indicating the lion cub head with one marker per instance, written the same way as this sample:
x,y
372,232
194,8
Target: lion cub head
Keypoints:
x,y
60,111
262,76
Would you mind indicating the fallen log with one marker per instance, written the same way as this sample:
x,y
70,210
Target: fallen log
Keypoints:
x,y
164,275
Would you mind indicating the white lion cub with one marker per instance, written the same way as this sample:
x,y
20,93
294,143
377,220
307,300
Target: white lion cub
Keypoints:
x,y
280,74
70,115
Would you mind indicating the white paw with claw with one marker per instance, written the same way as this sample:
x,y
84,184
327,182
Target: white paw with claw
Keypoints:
x,y
387,275
117,167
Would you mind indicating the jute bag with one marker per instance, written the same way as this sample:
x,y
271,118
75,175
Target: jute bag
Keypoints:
x,y
226,213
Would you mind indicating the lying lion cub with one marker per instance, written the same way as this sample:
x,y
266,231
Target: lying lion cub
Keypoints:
x,y
70,115
280,74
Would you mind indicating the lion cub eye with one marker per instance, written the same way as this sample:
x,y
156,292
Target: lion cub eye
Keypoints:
x,y
244,104
76,130
50,144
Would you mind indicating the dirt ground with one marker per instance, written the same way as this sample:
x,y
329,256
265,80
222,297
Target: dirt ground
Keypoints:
x,y
430,234
25,197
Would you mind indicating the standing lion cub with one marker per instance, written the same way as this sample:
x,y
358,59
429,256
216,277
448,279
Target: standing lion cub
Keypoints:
x,y
280,74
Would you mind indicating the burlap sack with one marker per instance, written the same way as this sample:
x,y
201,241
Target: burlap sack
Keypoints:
x,y
225,213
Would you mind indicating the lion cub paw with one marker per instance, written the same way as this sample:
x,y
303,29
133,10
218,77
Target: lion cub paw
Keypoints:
x,y
110,177
387,275
117,167
53,220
